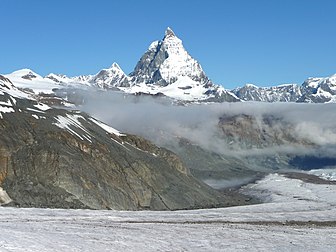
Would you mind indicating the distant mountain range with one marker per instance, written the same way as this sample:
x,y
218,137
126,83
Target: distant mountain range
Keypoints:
x,y
166,68
313,90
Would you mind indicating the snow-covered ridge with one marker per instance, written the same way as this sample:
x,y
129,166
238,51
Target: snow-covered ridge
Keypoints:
x,y
28,79
7,86
70,122
313,90
105,79
281,93
9,95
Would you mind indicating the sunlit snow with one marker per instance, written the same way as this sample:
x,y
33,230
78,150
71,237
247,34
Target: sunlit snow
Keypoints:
x,y
70,123
107,128
42,106
6,109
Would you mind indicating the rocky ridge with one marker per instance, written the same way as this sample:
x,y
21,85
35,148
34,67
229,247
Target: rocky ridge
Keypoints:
x,y
313,90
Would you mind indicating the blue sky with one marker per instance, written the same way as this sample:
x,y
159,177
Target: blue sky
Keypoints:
x,y
265,42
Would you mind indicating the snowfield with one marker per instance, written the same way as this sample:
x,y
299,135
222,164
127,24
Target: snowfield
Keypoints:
x,y
287,223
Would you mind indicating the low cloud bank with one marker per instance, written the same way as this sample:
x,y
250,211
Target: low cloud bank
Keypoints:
x,y
161,121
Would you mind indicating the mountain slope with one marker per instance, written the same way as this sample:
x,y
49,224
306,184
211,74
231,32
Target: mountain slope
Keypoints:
x,y
67,159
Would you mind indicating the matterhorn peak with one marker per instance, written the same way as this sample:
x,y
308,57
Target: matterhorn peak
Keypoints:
x,y
166,62
169,33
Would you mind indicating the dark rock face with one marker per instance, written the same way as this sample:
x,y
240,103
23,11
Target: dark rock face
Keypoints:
x,y
205,164
248,132
29,76
248,146
147,69
57,158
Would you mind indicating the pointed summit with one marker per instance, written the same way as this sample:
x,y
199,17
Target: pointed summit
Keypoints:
x,y
166,61
167,68
115,65
169,33
110,77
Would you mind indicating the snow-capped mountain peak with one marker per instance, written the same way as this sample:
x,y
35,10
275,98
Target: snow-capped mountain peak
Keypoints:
x,y
26,74
110,77
166,61
167,68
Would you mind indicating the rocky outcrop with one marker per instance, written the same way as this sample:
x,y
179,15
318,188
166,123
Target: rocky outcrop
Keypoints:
x,y
248,131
